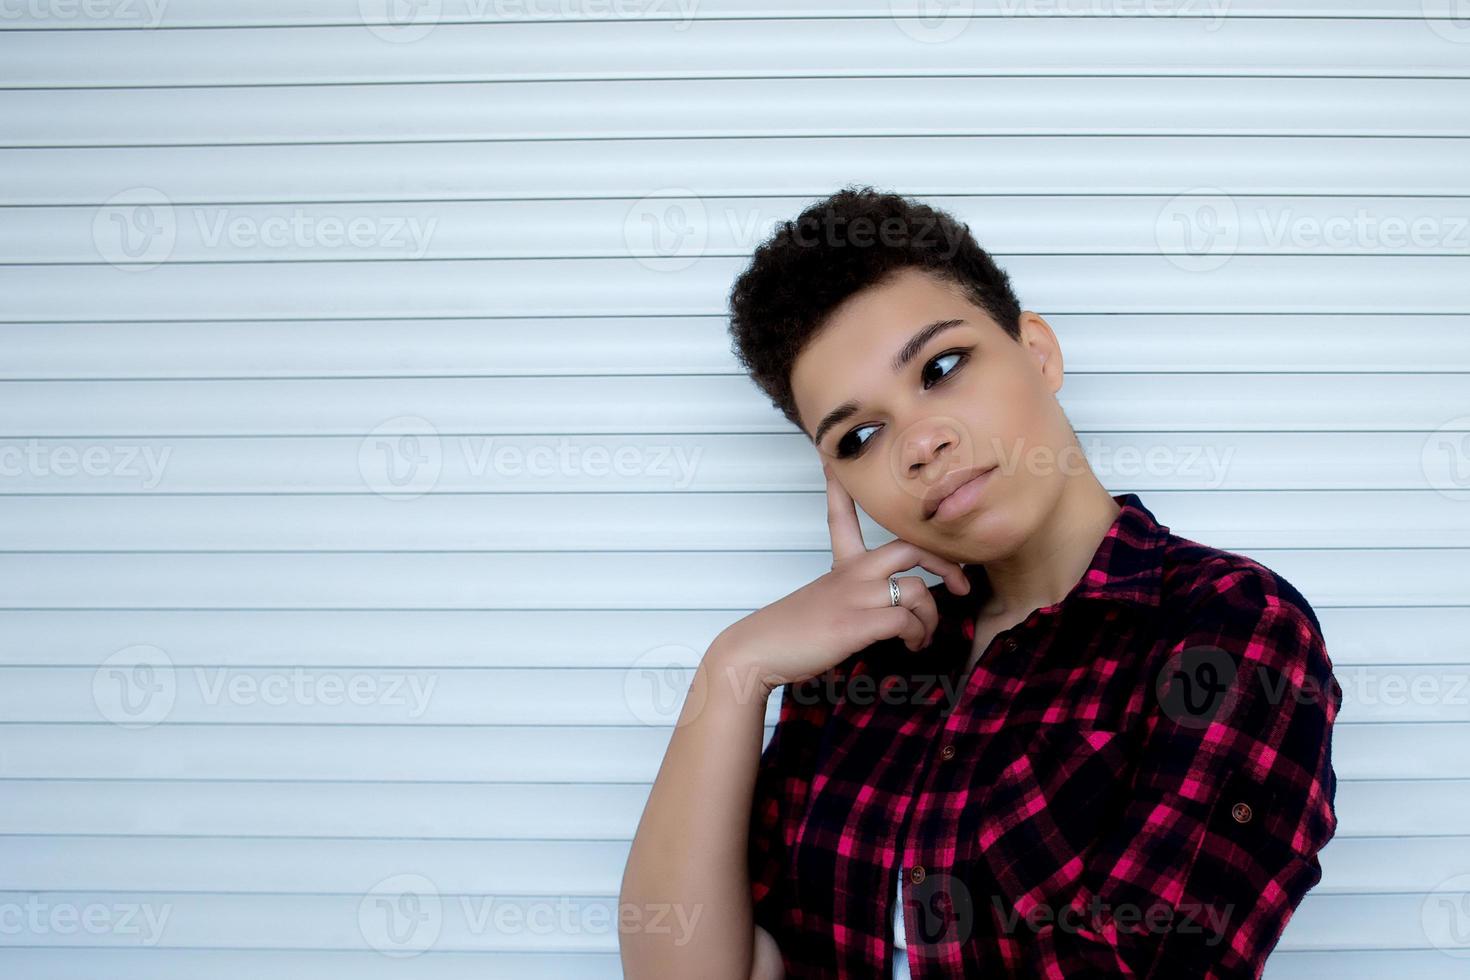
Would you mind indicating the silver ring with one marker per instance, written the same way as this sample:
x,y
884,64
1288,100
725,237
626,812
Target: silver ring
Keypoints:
x,y
893,593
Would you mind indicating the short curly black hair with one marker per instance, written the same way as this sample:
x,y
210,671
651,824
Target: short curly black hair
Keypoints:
x,y
853,239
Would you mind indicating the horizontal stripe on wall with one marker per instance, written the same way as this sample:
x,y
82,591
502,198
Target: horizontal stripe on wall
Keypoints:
x,y
920,166
1386,284
271,13
1143,225
793,107
423,51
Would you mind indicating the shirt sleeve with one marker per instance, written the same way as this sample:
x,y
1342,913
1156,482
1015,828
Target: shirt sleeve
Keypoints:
x,y
782,785
1232,799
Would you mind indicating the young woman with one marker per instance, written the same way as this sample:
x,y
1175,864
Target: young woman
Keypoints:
x,y
1095,748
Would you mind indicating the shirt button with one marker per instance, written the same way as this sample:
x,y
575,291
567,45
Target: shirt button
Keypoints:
x,y
947,752
916,874
1009,645
1241,812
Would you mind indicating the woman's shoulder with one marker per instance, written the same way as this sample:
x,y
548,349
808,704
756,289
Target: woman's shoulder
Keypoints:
x,y
1200,580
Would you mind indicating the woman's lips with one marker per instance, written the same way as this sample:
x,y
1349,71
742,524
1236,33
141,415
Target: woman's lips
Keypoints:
x,y
964,497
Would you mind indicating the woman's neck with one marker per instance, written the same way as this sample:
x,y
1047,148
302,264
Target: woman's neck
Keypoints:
x,y
1053,560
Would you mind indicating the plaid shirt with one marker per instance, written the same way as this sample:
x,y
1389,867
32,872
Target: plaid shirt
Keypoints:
x,y
1133,782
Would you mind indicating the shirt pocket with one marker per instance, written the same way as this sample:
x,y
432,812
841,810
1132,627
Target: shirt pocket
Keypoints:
x,y
1061,786
1056,766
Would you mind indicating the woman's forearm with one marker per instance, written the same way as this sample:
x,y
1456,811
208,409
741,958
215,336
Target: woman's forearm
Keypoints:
x,y
685,908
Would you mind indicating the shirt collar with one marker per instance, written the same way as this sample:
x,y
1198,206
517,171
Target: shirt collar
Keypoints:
x,y
1127,566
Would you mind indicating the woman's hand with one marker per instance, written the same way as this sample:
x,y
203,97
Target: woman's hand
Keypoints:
x,y
823,622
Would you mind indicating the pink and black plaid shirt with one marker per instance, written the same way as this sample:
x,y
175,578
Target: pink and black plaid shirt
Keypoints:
x,y
1133,782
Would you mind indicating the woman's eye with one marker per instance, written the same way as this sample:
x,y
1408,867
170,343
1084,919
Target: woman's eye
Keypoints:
x,y
850,445
956,356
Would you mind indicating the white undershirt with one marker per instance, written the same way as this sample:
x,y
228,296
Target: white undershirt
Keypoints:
x,y
900,955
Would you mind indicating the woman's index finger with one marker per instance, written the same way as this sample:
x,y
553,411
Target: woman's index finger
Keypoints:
x,y
842,520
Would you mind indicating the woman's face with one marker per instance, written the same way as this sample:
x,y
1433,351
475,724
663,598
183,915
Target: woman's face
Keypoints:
x,y
970,396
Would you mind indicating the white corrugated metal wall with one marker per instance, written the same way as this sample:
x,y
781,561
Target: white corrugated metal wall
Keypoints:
x,y
368,425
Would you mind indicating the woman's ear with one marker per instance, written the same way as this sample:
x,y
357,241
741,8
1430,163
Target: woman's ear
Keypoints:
x,y
1042,343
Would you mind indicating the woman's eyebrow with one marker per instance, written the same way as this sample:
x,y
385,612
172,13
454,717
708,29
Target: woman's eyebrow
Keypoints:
x,y
906,353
